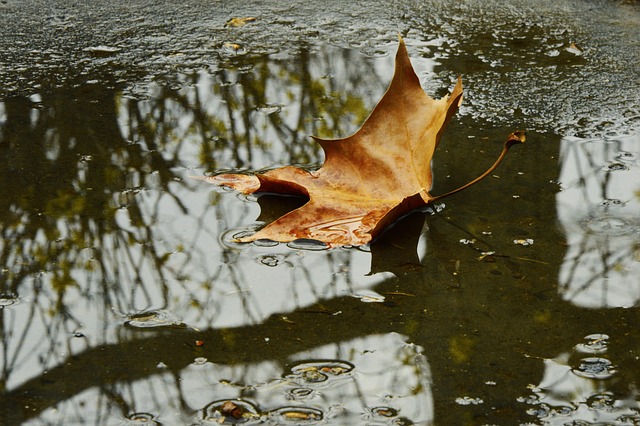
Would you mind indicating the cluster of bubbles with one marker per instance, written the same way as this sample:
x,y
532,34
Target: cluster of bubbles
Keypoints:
x,y
579,394
303,386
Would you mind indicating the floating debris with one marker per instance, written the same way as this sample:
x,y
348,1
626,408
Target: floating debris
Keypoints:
x,y
239,22
269,109
575,49
153,319
369,296
523,241
467,400
232,47
608,202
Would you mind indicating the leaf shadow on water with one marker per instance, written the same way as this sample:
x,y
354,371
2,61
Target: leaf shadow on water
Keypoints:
x,y
101,227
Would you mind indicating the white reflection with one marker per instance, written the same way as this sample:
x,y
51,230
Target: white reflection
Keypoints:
x,y
377,379
154,243
570,395
599,210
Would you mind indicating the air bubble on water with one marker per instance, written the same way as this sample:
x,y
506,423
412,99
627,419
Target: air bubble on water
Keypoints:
x,y
594,368
301,394
8,299
152,320
263,242
270,260
608,225
200,361
320,371
615,167
296,415
627,156
307,244
601,401
594,344
609,202
229,238
140,419
227,412
467,241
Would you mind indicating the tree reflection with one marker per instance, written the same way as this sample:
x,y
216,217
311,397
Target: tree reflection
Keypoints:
x,y
599,208
96,208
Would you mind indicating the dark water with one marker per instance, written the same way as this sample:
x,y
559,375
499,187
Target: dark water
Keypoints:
x,y
123,299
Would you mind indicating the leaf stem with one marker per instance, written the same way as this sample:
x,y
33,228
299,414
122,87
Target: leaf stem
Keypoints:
x,y
514,138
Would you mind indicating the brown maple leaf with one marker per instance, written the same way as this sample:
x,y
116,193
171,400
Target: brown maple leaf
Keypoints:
x,y
369,179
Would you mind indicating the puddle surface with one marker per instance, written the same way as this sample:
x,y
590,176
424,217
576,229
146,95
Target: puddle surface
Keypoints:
x,y
125,299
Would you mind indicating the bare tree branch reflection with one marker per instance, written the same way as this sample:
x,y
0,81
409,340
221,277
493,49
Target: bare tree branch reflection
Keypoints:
x,y
97,206
598,208
123,292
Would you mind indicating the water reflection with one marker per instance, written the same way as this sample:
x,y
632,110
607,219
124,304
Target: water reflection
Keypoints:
x,y
599,207
105,240
379,379
123,299
578,390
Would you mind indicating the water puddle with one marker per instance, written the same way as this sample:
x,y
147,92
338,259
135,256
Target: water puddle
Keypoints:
x,y
102,128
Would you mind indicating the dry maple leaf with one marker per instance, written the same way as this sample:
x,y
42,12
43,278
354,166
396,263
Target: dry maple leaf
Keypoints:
x,y
369,179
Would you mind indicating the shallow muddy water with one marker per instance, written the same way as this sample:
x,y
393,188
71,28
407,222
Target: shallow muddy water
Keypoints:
x,y
124,298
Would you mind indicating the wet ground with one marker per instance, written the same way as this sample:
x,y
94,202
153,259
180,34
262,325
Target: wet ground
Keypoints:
x,y
124,299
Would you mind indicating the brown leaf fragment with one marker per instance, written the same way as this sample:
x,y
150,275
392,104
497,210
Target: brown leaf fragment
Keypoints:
x,y
230,409
239,22
369,179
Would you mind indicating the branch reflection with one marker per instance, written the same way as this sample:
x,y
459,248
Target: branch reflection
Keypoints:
x,y
599,208
105,241
123,298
